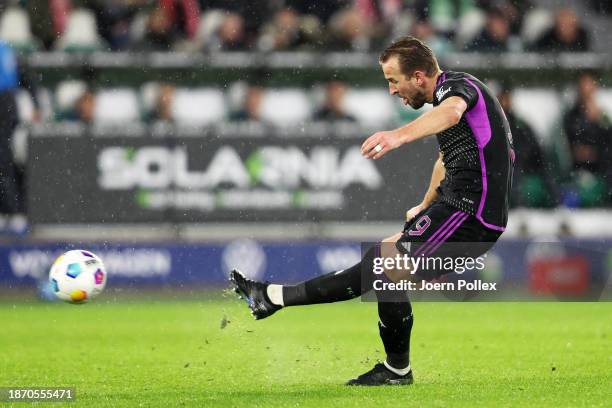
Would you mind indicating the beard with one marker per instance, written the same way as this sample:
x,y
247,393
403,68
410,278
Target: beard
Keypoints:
x,y
418,100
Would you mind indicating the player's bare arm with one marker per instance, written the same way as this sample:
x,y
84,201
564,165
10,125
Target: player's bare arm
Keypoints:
x,y
440,118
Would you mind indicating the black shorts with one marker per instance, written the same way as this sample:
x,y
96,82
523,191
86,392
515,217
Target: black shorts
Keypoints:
x,y
442,230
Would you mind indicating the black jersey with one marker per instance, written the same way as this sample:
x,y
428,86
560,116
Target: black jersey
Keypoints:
x,y
477,152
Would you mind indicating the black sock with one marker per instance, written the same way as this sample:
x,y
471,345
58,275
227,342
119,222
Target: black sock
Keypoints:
x,y
331,287
395,327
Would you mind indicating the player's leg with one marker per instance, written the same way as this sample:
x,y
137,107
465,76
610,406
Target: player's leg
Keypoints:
x,y
395,328
265,299
442,231
395,311
436,224
335,286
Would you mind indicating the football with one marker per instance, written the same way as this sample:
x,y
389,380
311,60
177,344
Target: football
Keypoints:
x,y
77,276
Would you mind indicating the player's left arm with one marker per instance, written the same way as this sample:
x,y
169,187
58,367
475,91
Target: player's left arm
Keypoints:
x,y
440,118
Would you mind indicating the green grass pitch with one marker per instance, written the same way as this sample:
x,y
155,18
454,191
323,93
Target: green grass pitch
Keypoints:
x,y
176,353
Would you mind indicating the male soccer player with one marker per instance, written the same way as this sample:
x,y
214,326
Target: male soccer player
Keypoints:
x,y
467,200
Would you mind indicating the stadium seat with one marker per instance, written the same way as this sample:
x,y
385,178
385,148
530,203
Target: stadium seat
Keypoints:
x,y
19,144
470,25
148,96
535,23
541,108
45,102
604,97
25,106
66,95
15,30
138,28
370,105
235,95
81,33
285,106
201,106
209,24
118,105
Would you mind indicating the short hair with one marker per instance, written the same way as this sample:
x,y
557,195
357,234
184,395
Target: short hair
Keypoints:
x,y
412,55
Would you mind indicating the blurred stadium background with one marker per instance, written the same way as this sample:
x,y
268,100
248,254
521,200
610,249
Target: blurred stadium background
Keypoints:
x,y
179,138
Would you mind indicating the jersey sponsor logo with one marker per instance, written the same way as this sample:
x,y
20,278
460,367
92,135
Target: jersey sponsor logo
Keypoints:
x,y
441,92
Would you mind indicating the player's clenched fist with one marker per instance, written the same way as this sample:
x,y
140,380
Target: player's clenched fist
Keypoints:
x,y
377,145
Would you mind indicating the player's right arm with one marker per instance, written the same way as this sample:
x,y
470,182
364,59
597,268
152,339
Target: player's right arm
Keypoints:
x,y
440,118
437,175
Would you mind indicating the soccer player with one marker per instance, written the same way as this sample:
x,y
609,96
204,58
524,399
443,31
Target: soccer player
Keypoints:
x,y
467,200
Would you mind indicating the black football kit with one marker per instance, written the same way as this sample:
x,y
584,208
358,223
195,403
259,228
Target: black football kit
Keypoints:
x,y
469,215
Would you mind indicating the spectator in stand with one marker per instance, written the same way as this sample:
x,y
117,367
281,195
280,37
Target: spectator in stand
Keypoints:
x,y
170,21
48,19
184,16
425,32
288,31
164,102
349,31
495,37
380,16
587,128
159,34
443,15
11,78
251,109
589,133
532,185
565,36
256,13
84,108
514,10
333,108
231,35
113,18
322,9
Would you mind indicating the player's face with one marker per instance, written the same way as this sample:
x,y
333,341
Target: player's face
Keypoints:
x,y
410,90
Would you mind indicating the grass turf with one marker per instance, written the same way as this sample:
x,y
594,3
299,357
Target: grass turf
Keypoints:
x,y
175,353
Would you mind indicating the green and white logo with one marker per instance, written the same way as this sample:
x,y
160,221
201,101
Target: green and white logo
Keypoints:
x,y
266,177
